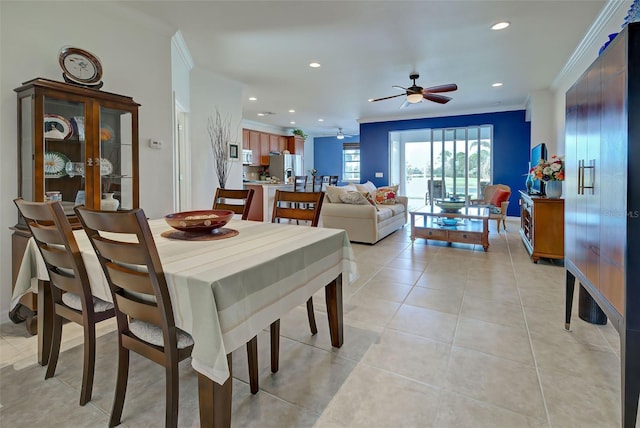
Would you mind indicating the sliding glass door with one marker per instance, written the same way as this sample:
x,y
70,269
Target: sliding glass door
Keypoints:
x,y
436,163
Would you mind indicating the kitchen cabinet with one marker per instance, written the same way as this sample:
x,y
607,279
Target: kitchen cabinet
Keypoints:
x,y
542,226
296,144
262,143
602,149
75,145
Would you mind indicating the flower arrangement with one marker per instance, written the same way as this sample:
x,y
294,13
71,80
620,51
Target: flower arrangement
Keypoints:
x,y
552,170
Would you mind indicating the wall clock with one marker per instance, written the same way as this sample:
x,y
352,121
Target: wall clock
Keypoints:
x,y
80,67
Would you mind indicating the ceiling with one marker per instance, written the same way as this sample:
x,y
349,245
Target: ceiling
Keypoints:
x,y
365,47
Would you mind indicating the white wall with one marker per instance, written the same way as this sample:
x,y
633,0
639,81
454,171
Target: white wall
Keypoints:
x,y
208,92
135,52
543,128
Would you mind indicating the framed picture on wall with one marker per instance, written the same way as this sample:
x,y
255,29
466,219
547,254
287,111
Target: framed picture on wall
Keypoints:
x,y
233,151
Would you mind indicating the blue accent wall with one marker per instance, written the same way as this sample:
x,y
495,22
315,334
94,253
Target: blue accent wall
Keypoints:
x,y
327,154
511,146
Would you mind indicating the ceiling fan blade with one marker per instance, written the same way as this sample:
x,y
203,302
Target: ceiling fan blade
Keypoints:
x,y
404,104
386,98
441,88
441,99
399,87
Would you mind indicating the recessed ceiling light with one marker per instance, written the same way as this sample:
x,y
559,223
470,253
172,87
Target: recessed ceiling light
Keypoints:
x,y
314,65
320,120
260,114
292,111
497,84
253,99
293,122
500,25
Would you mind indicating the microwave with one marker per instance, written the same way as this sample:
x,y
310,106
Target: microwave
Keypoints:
x,y
247,157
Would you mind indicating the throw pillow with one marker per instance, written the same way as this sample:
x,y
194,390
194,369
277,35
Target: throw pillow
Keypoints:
x,y
386,195
367,187
498,197
370,199
353,198
333,192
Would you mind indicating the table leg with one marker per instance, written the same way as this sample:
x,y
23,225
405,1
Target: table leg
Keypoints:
x,y
215,400
45,322
413,227
333,294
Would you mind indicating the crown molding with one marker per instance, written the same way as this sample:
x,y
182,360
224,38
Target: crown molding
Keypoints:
x,y
610,9
181,47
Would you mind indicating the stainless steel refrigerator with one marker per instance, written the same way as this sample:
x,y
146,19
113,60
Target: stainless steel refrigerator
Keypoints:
x,y
285,166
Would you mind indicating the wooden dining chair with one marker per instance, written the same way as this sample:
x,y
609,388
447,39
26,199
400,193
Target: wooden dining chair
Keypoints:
x,y
333,180
143,307
227,199
317,182
307,208
68,284
300,183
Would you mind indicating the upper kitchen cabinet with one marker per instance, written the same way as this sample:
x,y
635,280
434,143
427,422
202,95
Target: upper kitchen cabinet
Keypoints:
x,y
77,145
296,144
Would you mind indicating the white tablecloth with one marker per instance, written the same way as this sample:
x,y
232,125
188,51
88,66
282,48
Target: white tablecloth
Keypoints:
x,y
226,291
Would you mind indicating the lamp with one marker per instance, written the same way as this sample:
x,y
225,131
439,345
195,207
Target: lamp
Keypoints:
x,y
414,98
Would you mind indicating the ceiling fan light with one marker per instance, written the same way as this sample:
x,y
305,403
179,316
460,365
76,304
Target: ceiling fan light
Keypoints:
x,y
414,98
340,136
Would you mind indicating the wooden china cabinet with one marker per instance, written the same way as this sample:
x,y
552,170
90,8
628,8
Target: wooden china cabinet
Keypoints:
x,y
75,144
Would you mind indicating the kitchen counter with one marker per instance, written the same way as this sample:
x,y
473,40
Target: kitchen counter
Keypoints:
x,y
264,193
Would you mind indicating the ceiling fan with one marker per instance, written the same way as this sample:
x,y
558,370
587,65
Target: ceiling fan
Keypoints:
x,y
415,93
341,135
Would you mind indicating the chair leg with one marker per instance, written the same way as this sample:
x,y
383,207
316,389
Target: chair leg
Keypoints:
x,y
56,338
89,363
312,317
172,393
504,223
121,385
252,357
275,345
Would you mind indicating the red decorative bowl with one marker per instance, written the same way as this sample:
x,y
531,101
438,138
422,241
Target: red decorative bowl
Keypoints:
x,y
199,221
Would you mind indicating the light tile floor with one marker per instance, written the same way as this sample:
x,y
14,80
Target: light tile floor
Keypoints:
x,y
435,336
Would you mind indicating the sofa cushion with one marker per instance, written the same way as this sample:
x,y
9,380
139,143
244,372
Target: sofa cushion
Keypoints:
x,y
354,198
386,195
367,187
384,213
396,208
334,192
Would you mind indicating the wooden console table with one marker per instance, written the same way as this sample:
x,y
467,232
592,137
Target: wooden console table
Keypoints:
x,y
542,226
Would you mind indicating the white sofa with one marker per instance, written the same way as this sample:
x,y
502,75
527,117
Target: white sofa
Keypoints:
x,y
364,223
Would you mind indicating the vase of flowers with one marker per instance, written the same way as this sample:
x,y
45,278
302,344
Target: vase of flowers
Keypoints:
x,y
551,172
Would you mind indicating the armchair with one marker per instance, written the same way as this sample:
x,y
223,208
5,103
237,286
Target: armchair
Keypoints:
x,y
496,198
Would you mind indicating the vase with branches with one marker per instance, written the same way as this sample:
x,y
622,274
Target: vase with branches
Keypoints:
x,y
220,137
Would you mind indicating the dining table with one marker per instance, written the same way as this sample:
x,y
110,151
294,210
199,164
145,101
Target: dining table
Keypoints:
x,y
223,291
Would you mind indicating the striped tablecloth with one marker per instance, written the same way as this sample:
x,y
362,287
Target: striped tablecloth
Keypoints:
x,y
226,291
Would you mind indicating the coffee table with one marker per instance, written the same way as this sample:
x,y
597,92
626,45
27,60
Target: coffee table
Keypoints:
x,y
471,225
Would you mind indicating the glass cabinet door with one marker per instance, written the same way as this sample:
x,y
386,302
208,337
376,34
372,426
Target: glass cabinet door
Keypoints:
x,y
116,158
63,153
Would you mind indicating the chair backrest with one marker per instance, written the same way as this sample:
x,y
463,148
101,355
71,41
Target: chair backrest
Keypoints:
x,y
436,188
297,206
227,199
129,258
317,183
333,180
52,233
300,183
491,189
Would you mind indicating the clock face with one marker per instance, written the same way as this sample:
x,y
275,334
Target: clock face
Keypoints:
x,y
80,66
